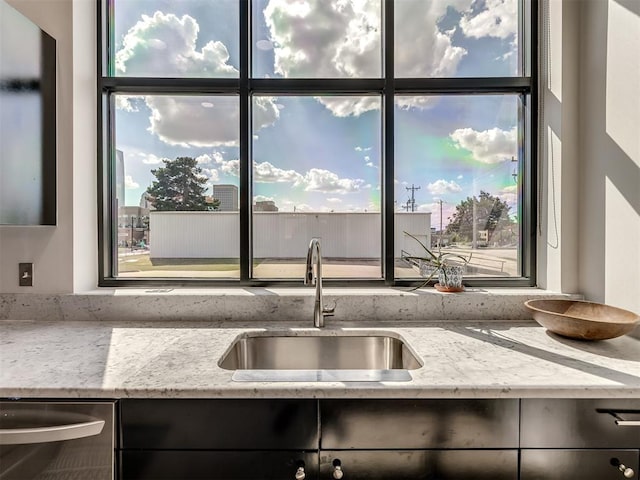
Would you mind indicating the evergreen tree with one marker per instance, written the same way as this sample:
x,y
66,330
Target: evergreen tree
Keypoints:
x,y
491,214
179,186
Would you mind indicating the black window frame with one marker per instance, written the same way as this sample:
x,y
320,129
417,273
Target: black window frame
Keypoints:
x,y
525,85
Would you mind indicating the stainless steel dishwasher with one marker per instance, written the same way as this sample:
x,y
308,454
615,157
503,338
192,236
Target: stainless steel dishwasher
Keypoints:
x,y
56,440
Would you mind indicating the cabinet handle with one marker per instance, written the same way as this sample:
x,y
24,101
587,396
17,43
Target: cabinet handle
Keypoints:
x,y
619,420
300,473
337,472
626,471
18,436
337,469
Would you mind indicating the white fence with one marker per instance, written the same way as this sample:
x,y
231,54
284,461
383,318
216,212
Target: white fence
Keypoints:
x,y
281,234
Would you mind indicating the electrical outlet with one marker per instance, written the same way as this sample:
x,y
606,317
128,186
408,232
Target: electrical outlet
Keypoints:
x,y
25,274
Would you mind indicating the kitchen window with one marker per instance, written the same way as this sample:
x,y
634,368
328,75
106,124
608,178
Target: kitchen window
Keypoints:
x,y
234,131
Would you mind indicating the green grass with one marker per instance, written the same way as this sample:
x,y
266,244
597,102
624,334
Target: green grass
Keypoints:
x,y
142,263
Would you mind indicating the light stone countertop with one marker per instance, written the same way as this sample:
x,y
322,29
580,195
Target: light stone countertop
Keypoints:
x,y
169,359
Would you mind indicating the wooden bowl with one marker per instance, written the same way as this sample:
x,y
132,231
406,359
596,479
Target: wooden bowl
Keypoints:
x,y
582,320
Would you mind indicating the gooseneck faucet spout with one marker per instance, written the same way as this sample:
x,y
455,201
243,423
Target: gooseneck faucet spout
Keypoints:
x,y
319,310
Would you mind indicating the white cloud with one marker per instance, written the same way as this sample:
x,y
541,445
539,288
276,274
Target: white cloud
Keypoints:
x,y
334,200
460,177
151,159
367,158
302,207
422,49
488,146
509,195
428,207
184,121
262,198
371,164
448,210
217,157
343,106
231,167
203,159
211,174
314,180
264,45
128,103
265,172
318,180
318,38
362,149
165,45
498,19
511,189
441,187
129,183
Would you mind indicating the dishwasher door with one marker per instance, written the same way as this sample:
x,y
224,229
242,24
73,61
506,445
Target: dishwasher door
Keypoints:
x,y
56,440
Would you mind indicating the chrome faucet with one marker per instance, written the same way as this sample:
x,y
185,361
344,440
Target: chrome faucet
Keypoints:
x,y
319,310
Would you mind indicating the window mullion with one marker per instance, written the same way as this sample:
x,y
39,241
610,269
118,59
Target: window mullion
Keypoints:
x,y
245,139
388,145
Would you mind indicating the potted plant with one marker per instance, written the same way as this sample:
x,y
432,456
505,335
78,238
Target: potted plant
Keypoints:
x,y
448,266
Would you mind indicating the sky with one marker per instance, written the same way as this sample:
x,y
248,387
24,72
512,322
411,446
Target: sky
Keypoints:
x,y
323,153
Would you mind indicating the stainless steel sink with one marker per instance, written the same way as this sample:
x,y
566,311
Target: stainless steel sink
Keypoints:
x,y
284,356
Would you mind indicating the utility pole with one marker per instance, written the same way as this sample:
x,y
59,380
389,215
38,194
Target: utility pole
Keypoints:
x,y
440,202
413,189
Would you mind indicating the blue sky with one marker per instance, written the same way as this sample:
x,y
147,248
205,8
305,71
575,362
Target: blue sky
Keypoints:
x,y
323,153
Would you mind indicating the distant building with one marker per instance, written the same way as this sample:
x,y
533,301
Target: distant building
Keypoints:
x,y
228,196
265,206
133,226
145,201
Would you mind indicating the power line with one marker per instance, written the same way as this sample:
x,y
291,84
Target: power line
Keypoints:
x,y
412,201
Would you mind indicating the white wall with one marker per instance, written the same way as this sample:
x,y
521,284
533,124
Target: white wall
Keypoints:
x,y
49,248
557,234
64,256
280,235
609,213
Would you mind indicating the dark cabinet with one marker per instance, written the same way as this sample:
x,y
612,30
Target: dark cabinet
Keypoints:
x,y
212,465
581,439
492,439
420,439
581,464
236,424
218,439
419,424
421,464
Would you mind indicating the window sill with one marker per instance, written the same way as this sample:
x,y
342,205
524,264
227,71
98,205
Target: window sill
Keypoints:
x,y
273,304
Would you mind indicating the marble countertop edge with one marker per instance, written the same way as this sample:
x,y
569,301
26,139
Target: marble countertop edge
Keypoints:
x,y
328,391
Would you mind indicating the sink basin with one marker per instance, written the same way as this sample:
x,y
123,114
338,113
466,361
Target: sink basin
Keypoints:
x,y
288,356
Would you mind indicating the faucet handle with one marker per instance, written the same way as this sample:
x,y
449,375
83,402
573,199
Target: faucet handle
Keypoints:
x,y
329,311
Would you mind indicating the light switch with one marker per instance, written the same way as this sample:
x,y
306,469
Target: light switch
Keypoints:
x,y
25,274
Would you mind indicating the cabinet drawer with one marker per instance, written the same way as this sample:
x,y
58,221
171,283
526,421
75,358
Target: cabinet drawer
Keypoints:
x,y
205,465
421,464
409,424
577,464
220,424
578,423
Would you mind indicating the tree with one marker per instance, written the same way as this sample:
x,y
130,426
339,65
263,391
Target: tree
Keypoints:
x,y
180,186
491,214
